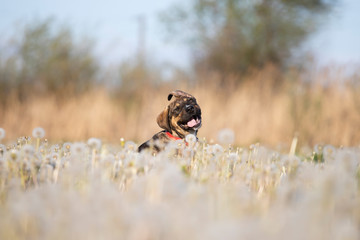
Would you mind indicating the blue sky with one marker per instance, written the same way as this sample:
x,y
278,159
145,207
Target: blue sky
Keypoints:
x,y
114,26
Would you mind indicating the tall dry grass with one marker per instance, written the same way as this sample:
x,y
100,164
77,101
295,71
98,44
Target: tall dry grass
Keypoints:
x,y
325,111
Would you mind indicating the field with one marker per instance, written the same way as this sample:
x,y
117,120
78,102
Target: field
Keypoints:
x,y
95,190
273,161
261,109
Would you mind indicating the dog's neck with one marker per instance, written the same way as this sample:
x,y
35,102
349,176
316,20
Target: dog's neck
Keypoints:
x,y
172,136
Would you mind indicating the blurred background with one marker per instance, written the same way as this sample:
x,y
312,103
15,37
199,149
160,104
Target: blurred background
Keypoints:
x,y
267,69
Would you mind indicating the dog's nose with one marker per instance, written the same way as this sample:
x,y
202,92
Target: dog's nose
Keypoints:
x,y
189,108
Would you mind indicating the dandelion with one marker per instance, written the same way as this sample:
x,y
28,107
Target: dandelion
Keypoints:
x,y
2,150
130,146
329,152
38,133
55,148
28,150
14,155
2,133
94,143
122,142
215,149
226,136
233,157
66,147
108,160
78,148
191,139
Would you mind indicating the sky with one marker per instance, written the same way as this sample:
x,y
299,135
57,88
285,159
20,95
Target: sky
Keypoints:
x,y
114,25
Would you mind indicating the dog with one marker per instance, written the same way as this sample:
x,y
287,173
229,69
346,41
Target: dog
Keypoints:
x,y
180,118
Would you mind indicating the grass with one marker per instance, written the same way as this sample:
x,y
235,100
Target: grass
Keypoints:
x,y
325,111
94,190
273,161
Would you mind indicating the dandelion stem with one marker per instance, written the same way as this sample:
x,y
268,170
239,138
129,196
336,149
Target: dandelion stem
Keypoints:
x,y
37,144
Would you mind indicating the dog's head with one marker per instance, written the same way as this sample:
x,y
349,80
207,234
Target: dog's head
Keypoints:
x,y
182,116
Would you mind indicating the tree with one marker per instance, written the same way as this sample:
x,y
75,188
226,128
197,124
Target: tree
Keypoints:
x,y
231,36
46,58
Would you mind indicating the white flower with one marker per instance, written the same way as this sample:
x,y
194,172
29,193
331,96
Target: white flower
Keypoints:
x,y
13,155
28,150
191,139
233,157
2,133
226,136
66,147
78,148
38,132
218,149
130,146
55,148
2,149
215,149
94,143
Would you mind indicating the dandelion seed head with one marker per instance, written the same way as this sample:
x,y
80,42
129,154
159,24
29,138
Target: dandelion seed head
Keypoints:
x,y
180,144
28,150
318,148
215,149
2,149
226,136
130,146
233,157
78,148
14,155
94,143
190,138
121,155
2,133
55,148
108,160
55,156
329,152
66,147
38,132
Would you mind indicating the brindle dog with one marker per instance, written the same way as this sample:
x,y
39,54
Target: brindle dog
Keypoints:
x,y
180,118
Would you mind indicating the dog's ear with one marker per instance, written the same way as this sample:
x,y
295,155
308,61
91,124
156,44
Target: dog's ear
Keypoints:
x,y
163,120
179,93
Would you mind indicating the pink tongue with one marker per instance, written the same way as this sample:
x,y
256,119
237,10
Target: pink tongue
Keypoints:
x,y
192,123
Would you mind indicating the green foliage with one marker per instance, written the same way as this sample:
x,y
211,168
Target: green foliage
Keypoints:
x,y
46,58
232,36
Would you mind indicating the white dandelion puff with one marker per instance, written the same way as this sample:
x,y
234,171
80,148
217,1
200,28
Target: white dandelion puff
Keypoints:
x,y
78,148
38,132
2,133
215,149
14,155
28,150
191,139
233,157
226,136
2,150
66,147
130,146
218,149
94,143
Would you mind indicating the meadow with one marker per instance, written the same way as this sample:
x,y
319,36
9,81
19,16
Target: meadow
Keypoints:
x,y
269,107
94,190
273,161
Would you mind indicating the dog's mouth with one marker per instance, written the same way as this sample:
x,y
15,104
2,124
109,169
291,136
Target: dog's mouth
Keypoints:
x,y
194,123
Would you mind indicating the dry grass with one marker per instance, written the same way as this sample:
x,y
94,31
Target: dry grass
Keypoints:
x,y
257,110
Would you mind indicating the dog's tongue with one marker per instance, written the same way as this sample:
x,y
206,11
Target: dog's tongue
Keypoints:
x,y
193,122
